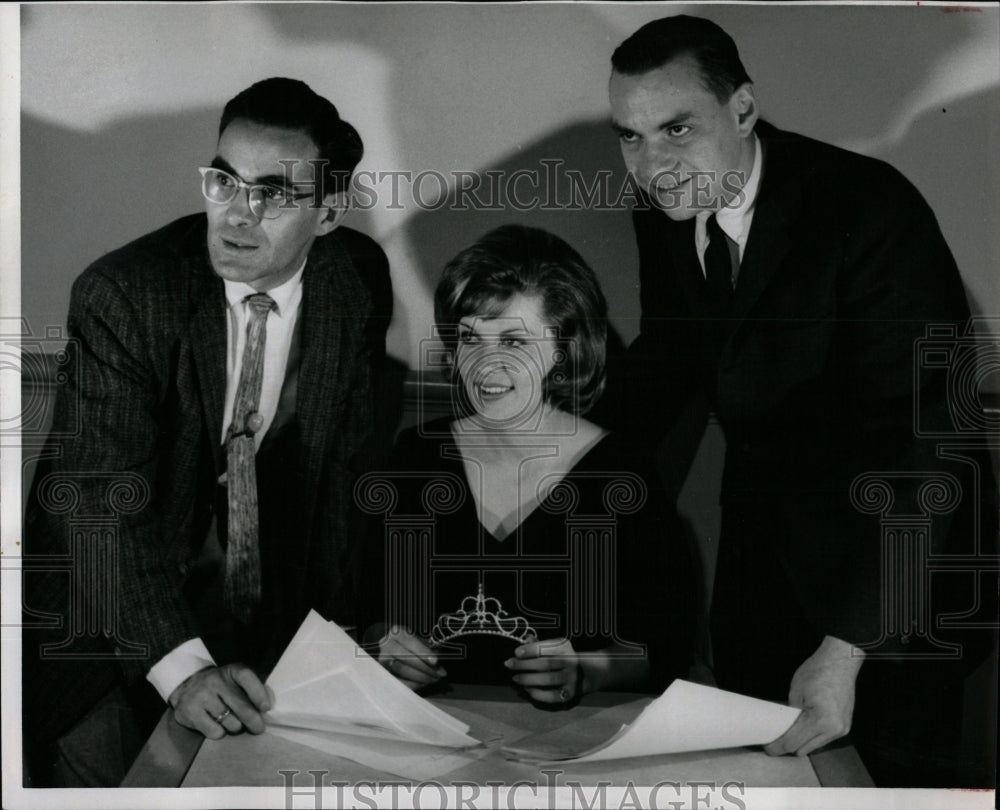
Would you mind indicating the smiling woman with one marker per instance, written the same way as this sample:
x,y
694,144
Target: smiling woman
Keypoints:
x,y
554,535
521,302
503,361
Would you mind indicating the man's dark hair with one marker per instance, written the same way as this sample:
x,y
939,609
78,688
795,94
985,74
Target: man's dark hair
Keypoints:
x,y
661,41
292,104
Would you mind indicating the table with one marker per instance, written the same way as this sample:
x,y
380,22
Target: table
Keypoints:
x,y
176,757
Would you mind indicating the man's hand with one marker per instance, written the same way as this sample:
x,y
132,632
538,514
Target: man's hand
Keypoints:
x,y
549,671
221,700
823,687
409,658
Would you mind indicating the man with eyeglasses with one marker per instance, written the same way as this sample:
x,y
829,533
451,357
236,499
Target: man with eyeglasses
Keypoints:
x,y
224,381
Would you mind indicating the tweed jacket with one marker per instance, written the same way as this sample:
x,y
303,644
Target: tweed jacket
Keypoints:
x,y
139,421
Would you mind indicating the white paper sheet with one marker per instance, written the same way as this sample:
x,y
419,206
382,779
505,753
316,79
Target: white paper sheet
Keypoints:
x,y
407,759
686,717
325,684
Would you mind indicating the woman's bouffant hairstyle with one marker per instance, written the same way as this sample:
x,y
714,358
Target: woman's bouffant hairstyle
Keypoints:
x,y
518,260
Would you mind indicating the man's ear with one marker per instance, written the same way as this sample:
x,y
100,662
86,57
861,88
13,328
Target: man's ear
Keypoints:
x,y
743,103
335,206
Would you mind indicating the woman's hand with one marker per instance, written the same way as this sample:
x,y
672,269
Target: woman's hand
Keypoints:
x,y
549,671
409,658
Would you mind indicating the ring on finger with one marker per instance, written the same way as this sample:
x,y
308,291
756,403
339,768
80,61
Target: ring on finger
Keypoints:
x,y
222,715
563,694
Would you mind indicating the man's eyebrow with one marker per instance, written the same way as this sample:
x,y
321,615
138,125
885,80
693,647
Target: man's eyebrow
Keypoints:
x,y
267,180
220,163
681,118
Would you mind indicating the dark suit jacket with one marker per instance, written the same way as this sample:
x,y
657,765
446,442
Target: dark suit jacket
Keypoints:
x,y
812,376
140,419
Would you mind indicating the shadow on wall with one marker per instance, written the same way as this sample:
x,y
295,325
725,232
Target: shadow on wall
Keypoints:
x,y
946,154
842,73
87,193
876,79
846,74
826,71
546,185
557,175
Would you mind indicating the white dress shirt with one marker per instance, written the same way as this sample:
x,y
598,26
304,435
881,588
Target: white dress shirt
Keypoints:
x,y
188,658
280,326
733,219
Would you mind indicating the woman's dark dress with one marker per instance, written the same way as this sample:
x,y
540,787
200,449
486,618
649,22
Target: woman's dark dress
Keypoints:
x,y
600,560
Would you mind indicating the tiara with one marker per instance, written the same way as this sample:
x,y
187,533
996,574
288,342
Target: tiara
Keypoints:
x,y
484,616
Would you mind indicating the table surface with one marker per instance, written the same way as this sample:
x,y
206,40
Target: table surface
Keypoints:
x,y
177,757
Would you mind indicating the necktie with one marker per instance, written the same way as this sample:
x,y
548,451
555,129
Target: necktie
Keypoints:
x,y
242,586
718,264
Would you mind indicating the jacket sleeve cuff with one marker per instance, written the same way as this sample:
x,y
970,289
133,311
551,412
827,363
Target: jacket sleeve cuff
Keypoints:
x,y
178,665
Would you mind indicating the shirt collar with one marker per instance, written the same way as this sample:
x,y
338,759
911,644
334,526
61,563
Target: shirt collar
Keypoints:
x,y
733,218
236,291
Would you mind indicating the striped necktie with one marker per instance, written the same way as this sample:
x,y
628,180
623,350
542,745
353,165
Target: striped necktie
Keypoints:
x,y
242,588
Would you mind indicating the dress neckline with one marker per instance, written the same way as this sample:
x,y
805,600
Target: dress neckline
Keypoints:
x,y
458,459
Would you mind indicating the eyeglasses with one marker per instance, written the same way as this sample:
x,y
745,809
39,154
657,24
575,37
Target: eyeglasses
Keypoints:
x,y
266,202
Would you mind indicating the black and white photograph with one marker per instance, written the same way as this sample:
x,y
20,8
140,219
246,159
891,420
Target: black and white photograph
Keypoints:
x,y
532,404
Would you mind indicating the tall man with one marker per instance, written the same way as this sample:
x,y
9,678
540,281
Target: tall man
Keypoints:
x,y
221,394
785,284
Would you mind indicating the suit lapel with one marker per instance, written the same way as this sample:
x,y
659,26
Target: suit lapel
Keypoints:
x,y
208,348
772,230
319,377
675,241
768,246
